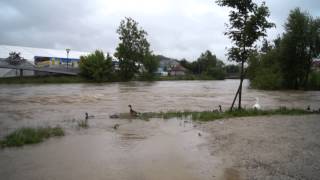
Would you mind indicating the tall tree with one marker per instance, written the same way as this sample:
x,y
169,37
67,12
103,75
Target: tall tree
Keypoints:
x,y
132,49
299,45
150,64
206,61
248,22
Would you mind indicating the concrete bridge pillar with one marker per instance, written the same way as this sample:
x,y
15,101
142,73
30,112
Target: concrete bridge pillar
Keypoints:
x,y
21,72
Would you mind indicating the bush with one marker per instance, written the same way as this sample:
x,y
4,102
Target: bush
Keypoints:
x,y
266,78
96,66
314,81
24,136
217,73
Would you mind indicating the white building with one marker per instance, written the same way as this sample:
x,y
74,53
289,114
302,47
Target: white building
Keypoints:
x,y
39,57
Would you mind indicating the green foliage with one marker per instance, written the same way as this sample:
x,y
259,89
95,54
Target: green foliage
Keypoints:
x,y
300,43
206,65
206,61
314,81
263,70
96,66
24,136
132,49
232,69
287,63
83,124
247,23
150,64
217,73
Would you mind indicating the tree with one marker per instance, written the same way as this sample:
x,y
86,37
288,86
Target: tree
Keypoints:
x,y
266,47
299,45
248,22
15,59
206,61
96,66
150,64
132,49
232,69
263,70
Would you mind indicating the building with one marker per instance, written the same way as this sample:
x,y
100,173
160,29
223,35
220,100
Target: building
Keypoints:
x,y
177,70
39,57
316,64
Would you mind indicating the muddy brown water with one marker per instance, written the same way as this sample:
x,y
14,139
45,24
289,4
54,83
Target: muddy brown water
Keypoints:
x,y
155,149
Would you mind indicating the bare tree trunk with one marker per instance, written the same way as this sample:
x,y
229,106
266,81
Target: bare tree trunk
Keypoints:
x,y
239,91
234,99
240,87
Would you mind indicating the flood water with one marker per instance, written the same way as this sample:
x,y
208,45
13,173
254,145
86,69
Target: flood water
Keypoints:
x,y
155,149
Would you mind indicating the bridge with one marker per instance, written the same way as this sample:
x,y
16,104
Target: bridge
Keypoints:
x,y
56,70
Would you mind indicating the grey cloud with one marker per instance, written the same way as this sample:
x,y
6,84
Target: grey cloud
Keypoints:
x,y
182,30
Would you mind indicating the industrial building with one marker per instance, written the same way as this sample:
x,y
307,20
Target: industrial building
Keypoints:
x,y
39,57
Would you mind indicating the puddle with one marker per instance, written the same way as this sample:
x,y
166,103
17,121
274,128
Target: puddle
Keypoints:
x,y
155,149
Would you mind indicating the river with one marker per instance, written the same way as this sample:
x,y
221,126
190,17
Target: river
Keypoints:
x,y
155,149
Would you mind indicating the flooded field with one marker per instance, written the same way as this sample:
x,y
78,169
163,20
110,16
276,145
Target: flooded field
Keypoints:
x,y
155,149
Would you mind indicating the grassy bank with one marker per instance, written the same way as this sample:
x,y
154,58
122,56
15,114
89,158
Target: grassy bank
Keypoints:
x,y
25,136
210,115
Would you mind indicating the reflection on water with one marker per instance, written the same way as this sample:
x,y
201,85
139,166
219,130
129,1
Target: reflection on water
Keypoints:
x,y
158,149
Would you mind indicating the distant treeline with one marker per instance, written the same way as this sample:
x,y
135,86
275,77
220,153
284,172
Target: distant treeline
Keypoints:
x,y
209,65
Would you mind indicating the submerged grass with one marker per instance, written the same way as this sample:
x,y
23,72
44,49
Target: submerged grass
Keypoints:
x,y
28,135
83,124
212,115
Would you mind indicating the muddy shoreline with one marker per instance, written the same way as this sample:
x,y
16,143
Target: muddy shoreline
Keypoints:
x,y
275,147
265,147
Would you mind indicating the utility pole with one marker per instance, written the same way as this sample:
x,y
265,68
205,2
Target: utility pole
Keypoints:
x,y
68,50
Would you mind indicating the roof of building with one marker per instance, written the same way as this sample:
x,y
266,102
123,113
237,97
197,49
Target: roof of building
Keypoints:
x,y
29,52
316,62
178,68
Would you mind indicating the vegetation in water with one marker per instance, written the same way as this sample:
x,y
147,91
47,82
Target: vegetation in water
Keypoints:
x,y
28,135
213,115
83,124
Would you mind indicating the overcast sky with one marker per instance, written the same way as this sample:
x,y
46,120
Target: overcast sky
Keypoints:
x,y
176,28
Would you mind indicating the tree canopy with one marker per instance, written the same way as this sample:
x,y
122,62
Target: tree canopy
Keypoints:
x,y
247,23
132,49
15,59
96,66
287,62
299,45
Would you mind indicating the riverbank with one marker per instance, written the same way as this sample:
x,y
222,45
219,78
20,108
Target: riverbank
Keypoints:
x,y
79,79
275,147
